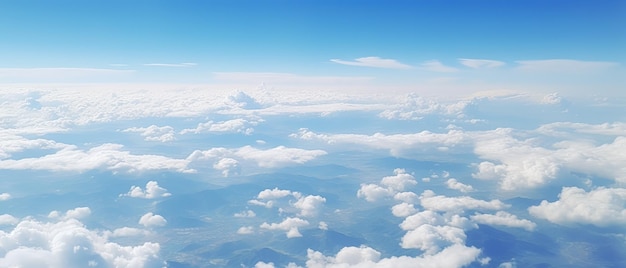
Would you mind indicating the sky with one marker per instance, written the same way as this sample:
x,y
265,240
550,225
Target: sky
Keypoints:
x,y
312,134
408,44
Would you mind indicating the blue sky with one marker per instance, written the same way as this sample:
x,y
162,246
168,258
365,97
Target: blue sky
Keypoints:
x,y
190,41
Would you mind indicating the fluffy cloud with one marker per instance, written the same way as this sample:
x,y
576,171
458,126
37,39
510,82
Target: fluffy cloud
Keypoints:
x,y
107,156
68,243
397,144
76,213
374,62
289,224
391,185
432,239
306,206
416,107
126,232
6,219
5,196
452,183
152,220
154,133
245,230
153,190
274,157
453,256
430,201
403,209
504,218
238,125
245,214
399,181
600,207
11,143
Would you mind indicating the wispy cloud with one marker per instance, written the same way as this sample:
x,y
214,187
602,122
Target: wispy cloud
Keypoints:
x,y
184,64
481,63
437,66
564,65
375,62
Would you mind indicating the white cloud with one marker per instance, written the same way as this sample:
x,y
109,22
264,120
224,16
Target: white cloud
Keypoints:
x,y
76,213
6,219
399,181
245,230
228,166
127,232
153,190
373,192
600,207
407,197
481,63
270,158
238,125
397,144
429,200
245,214
309,205
503,218
152,220
552,98
69,243
374,62
289,224
269,194
106,156
403,210
451,257
264,265
5,196
432,239
416,107
452,183
437,66
565,65
323,225
154,133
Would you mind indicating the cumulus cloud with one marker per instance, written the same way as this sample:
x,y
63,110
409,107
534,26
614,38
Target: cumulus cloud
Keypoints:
x,y
504,218
601,207
416,107
238,125
153,190
76,213
481,63
376,62
154,133
453,256
245,214
391,185
305,206
106,156
6,219
245,230
152,220
274,157
68,243
289,224
403,209
5,196
429,200
397,144
432,239
452,183
126,232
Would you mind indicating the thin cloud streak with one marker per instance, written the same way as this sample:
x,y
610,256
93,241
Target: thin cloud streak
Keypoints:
x,y
375,62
